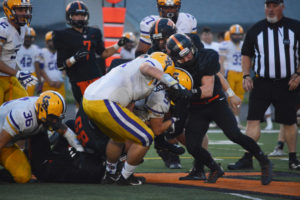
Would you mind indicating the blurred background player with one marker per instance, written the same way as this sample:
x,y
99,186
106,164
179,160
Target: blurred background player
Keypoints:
x,y
230,55
128,50
28,58
53,77
76,48
185,23
207,39
12,33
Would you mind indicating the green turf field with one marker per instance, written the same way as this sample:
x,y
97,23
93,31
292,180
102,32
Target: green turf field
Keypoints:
x,y
224,153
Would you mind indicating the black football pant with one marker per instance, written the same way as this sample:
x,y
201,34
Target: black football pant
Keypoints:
x,y
198,124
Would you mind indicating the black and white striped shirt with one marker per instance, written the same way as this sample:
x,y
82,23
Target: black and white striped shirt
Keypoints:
x,y
275,47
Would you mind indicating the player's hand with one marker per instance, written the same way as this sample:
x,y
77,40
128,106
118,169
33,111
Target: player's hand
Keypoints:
x,y
80,55
235,102
123,41
178,92
26,79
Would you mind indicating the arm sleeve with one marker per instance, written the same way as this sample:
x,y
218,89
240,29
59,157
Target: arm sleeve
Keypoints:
x,y
145,27
99,45
248,45
12,123
58,45
212,65
223,49
193,21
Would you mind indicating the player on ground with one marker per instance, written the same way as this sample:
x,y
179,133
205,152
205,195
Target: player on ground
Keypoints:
x,y
25,117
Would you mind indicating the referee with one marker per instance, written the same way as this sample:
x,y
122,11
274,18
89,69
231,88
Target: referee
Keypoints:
x,y
274,45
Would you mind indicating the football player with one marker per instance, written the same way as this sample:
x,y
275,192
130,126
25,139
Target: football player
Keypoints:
x,y
28,57
12,32
230,59
128,50
76,48
185,23
53,77
207,39
105,103
25,117
208,103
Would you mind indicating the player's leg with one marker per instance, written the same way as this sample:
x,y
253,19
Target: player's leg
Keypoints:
x,y
14,160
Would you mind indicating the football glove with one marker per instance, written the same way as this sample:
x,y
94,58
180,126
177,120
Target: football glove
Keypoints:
x,y
123,41
80,55
177,92
26,79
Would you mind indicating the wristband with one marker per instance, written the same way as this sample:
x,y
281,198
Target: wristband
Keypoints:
x,y
230,92
297,73
116,46
72,60
245,76
168,80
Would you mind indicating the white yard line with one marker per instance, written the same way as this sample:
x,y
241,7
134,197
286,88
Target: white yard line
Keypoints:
x,y
244,196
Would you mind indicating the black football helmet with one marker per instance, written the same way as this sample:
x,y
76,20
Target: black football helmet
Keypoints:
x,y
77,8
179,46
162,29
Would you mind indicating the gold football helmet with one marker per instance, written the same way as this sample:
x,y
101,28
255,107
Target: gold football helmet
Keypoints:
x,y
10,6
49,36
236,29
165,61
130,36
236,33
173,15
30,32
50,108
227,36
184,78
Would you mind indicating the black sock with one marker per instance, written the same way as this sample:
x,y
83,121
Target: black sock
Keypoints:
x,y
198,165
248,156
292,156
280,145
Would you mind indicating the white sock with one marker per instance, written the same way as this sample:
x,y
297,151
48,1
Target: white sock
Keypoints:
x,y
128,170
111,167
269,121
237,119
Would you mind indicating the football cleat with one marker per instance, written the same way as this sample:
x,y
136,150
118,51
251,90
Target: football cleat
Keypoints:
x,y
194,174
214,174
131,180
277,153
294,164
110,178
266,173
242,163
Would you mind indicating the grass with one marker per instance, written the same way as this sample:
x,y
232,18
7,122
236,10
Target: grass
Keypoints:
x,y
224,153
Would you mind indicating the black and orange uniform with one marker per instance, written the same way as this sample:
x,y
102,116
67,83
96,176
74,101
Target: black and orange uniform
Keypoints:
x,y
215,108
91,138
67,42
54,161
